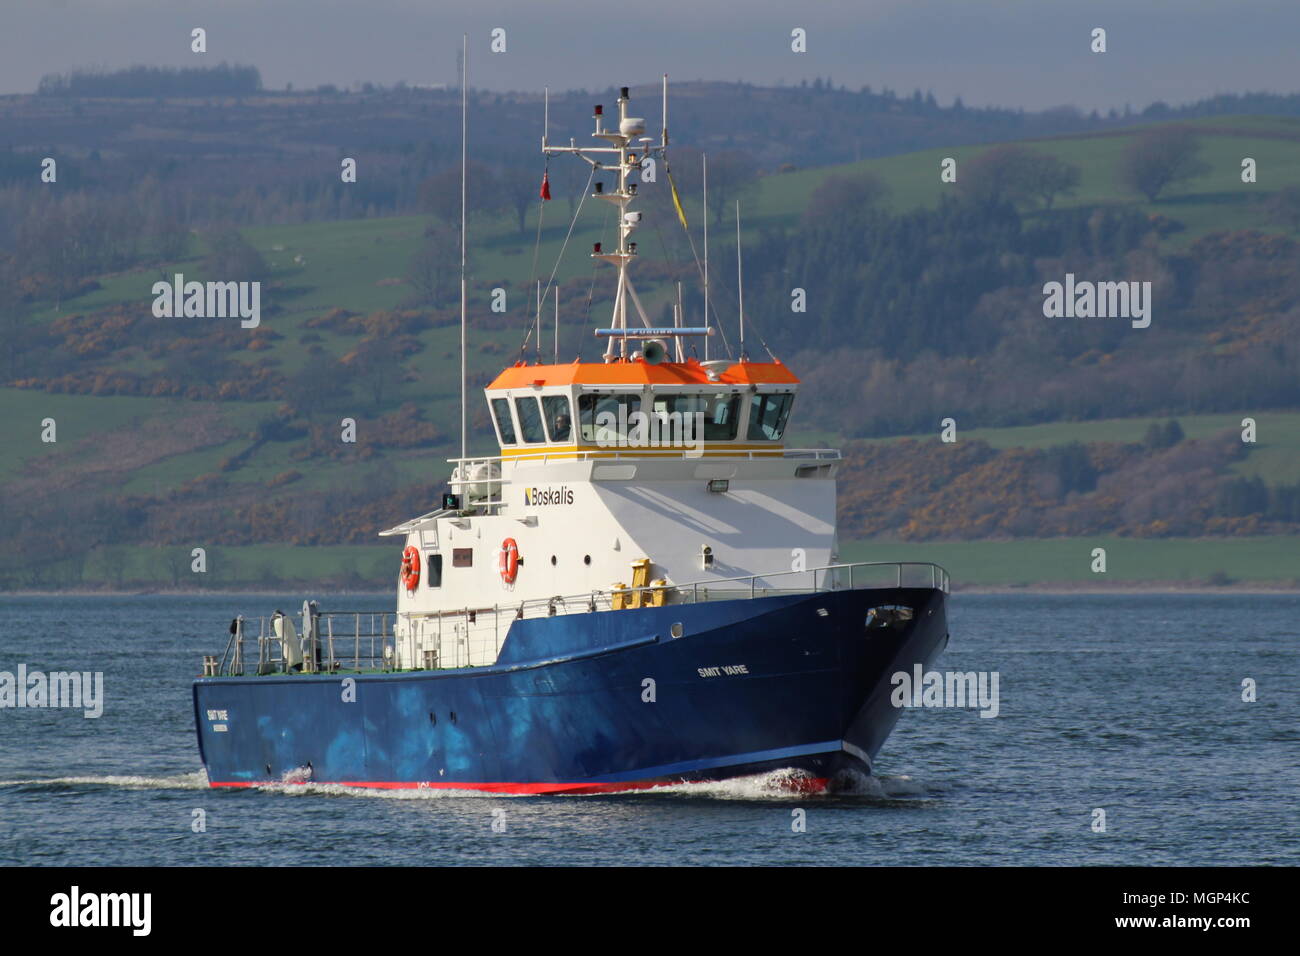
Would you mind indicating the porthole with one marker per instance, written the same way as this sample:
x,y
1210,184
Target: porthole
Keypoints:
x,y
586,559
552,560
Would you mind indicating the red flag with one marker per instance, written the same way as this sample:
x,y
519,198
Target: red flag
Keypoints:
x,y
546,185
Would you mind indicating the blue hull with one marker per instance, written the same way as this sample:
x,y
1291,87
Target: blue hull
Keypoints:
x,y
750,686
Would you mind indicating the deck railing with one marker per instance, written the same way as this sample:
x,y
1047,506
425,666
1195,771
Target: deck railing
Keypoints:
x,y
329,641
353,641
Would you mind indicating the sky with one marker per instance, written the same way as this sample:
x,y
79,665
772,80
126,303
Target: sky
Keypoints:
x,y
1019,53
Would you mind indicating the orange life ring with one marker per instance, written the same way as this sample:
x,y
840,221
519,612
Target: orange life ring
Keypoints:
x,y
508,561
410,567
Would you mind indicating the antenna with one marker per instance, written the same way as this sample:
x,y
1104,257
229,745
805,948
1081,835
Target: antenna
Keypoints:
x,y
740,284
464,137
626,150
557,323
704,161
663,136
677,323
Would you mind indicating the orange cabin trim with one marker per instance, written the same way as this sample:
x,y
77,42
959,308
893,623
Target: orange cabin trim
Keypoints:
x,y
690,372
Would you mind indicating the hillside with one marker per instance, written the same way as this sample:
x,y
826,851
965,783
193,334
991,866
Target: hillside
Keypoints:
x,y
176,432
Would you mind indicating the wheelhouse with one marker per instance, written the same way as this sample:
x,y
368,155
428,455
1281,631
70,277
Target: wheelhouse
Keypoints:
x,y
718,407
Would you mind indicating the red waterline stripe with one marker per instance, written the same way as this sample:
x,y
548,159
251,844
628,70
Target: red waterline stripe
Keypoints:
x,y
799,785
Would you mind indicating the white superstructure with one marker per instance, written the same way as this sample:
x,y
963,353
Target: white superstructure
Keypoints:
x,y
618,481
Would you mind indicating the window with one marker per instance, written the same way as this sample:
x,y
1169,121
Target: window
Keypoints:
x,y
559,423
530,419
435,571
505,425
767,416
605,418
719,411
462,557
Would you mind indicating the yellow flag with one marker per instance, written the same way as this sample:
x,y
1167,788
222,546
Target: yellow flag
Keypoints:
x,y
677,200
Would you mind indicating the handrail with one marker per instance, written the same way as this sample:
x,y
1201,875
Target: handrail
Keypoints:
x,y
939,579
374,648
617,452
317,644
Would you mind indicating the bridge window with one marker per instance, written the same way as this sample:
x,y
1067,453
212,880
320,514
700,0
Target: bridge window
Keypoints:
x,y
530,419
606,418
559,423
720,412
767,416
505,425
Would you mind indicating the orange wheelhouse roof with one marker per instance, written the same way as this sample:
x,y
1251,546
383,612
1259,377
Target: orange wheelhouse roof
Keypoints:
x,y
636,372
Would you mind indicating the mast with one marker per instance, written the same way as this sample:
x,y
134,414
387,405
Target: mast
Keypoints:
x,y
464,139
628,149
740,285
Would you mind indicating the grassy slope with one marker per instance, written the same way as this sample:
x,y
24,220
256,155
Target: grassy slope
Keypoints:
x,y
1214,201
1275,457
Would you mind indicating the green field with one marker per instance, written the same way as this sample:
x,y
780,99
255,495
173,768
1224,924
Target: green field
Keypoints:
x,y
1130,562
1215,201
1275,456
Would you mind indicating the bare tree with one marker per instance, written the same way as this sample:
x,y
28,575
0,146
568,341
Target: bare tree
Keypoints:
x,y
440,193
1160,158
519,186
435,266
731,176
1018,175
854,192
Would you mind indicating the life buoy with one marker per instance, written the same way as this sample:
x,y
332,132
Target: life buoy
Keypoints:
x,y
508,561
410,567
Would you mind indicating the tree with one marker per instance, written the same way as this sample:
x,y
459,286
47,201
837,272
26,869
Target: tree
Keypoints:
x,y
1017,175
1160,436
520,187
231,257
1160,158
731,176
855,192
435,266
1050,177
440,193
376,368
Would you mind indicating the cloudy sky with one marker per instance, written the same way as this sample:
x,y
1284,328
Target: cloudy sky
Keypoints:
x,y
1030,53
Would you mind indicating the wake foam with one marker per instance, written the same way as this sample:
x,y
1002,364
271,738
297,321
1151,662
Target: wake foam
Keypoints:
x,y
788,784
197,780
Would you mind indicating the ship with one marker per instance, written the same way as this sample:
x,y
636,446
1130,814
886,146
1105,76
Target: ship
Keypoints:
x,y
642,588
